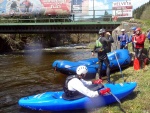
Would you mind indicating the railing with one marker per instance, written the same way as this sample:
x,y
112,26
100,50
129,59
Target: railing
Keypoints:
x,y
47,20
93,16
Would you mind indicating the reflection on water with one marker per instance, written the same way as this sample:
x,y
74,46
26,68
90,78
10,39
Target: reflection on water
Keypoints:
x,y
30,72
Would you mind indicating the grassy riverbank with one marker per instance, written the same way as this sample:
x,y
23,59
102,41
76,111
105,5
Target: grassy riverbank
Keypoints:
x,y
138,101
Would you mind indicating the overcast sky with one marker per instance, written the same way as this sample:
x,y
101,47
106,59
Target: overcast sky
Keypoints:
x,y
137,3
107,4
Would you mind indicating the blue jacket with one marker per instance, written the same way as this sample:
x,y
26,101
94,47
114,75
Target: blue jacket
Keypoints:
x,y
123,38
130,38
148,35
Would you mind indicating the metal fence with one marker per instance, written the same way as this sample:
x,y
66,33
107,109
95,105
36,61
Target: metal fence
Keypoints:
x,y
92,16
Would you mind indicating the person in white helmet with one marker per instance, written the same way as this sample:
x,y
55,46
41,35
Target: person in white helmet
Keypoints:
x,y
75,85
123,38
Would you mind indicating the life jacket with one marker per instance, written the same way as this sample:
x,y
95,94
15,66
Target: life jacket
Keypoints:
x,y
99,46
73,95
140,40
98,43
123,38
68,93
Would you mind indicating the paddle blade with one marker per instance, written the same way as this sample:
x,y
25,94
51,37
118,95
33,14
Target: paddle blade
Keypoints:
x,y
136,64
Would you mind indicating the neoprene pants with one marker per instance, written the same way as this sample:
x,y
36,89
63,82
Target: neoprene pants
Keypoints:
x,y
123,47
138,55
106,61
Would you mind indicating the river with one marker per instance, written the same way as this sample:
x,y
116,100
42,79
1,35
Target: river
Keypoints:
x,y
30,72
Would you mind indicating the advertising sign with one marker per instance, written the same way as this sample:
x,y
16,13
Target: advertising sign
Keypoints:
x,y
43,7
79,6
54,7
122,9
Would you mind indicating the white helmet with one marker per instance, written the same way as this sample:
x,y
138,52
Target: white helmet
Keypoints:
x,y
122,29
81,70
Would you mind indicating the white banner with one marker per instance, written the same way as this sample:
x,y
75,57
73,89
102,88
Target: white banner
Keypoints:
x,y
122,9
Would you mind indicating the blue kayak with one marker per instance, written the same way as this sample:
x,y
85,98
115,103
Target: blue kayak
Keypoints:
x,y
121,56
53,101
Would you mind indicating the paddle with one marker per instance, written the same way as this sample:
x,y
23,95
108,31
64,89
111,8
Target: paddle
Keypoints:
x,y
136,64
113,95
119,65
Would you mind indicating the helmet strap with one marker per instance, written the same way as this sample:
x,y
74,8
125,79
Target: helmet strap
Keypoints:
x,y
80,76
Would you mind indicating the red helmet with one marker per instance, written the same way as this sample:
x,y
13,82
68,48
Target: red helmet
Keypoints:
x,y
138,29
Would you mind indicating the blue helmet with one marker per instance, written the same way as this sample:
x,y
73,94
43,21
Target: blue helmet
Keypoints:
x,y
133,28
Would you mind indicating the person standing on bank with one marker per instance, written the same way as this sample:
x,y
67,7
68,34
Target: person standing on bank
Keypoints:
x,y
139,40
123,38
132,36
76,87
148,35
101,48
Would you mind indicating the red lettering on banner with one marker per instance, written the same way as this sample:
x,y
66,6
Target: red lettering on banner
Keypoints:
x,y
122,7
124,14
56,6
121,4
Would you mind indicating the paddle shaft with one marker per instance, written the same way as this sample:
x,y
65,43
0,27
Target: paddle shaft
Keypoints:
x,y
115,98
113,95
118,64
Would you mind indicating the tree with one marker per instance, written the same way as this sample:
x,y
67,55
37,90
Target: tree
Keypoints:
x,y
106,16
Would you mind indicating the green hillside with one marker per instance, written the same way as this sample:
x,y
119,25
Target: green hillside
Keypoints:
x,y
142,12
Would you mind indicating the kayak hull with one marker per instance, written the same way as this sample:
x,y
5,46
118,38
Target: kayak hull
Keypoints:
x,y
53,101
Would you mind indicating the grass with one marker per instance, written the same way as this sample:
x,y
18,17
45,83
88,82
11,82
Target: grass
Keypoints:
x,y
136,102
139,100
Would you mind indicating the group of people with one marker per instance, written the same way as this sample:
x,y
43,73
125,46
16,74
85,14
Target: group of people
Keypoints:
x,y
137,39
75,85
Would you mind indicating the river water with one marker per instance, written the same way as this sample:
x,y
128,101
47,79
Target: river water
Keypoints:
x,y
30,72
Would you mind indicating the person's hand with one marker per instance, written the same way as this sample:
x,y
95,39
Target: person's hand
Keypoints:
x,y
98,81
92,54
107,33
135,41
104,91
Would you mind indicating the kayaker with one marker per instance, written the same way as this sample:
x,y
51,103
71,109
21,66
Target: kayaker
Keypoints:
x,y
139,40
76,85
123,38
101,48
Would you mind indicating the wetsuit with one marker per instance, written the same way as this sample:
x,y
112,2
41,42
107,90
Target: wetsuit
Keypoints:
x,y
102,55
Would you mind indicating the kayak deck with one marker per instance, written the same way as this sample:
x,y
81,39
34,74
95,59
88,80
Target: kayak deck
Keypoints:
x,y
53,101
